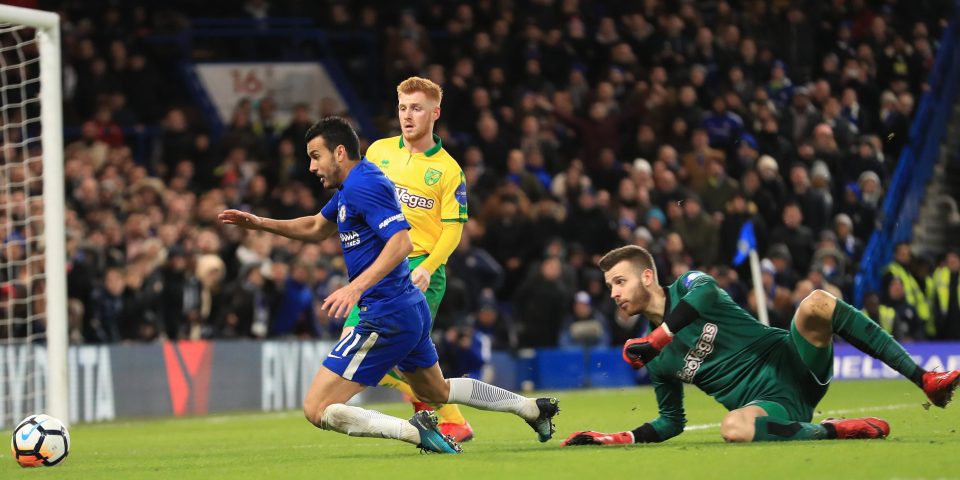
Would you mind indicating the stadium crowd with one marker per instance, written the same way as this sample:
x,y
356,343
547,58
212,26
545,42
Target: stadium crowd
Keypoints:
x,y
580,126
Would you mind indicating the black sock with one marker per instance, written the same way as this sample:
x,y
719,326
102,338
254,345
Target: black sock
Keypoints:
x,y
772,429
646,434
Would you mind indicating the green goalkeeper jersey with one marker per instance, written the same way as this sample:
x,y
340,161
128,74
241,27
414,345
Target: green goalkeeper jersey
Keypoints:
x,y
725,352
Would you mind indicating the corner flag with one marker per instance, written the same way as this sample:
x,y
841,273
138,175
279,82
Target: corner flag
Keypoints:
x,y
746,242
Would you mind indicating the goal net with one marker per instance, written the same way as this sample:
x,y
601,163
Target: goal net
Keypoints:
x,y
33,339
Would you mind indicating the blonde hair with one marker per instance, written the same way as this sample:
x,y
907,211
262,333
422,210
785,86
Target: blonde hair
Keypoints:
x,y
418,84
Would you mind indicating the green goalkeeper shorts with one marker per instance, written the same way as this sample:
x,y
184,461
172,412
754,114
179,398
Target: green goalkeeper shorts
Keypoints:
x,y
434,293
803,373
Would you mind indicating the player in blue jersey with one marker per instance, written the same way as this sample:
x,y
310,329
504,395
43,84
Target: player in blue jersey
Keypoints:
x,y
394,328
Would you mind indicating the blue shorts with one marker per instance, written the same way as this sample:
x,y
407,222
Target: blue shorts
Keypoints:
x,y
400,339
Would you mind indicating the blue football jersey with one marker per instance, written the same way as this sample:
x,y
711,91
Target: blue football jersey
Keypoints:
x,y
367,213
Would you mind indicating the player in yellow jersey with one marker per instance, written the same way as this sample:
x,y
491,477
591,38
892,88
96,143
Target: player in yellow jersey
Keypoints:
x,y
433,196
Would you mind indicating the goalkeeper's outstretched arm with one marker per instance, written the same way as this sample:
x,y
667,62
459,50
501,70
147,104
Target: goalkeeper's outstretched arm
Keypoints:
x,y
669,424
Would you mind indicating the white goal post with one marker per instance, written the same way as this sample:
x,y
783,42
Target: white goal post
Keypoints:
x,y
45,27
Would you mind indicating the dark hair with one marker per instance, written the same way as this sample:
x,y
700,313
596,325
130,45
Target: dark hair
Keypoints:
x,y
335,131
634,254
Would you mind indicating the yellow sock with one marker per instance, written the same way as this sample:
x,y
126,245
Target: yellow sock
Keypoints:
x,y
394,380
450,413
447,413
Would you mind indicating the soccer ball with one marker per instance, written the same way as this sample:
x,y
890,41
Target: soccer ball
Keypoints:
x,y
40,441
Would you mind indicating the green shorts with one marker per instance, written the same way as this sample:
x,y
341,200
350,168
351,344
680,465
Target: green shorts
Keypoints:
x,y
803,374
434,293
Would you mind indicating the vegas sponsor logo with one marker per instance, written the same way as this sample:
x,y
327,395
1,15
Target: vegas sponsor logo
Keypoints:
x,y
697,354
411,200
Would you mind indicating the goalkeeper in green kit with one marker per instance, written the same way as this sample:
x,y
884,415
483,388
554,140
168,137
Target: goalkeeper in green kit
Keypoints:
x,y
769,379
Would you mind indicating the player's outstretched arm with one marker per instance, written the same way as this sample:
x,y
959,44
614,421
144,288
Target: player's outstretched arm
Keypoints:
x,y
643,434
590,437
669,424
339,303
311,228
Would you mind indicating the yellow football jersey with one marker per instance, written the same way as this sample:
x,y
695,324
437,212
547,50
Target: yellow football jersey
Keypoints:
x,y
430,186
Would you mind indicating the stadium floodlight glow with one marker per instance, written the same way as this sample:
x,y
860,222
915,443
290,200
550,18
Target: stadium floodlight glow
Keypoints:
x,y
33,299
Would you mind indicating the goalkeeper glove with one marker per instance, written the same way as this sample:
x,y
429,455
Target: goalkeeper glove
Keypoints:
x,y
597,438
639,351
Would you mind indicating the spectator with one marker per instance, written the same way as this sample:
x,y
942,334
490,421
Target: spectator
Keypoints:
x,y
775,191
844,132
489,322
492,142
722,125
696,163
831,264
584,327
541,303
533,138
825,147
698,231
782,262
177,143
266,126
719,188
507,235
248,311
906,324
599,130
299,123
813,203
912,290
590,226
802,116
855,113
295,317
518,175
866,158
884,316
623,328
947,297
797,238
644,144
894,125
464,352
108,319
474,265
207,305
850,244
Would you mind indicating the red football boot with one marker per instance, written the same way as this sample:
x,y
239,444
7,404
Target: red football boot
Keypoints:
x,y
460,432
939,386
854,428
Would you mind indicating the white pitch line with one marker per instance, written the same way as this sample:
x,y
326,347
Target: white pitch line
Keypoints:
x,y
703,426
879,408
844,411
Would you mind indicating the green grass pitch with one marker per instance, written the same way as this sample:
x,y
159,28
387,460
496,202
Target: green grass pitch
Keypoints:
x,y
922,444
